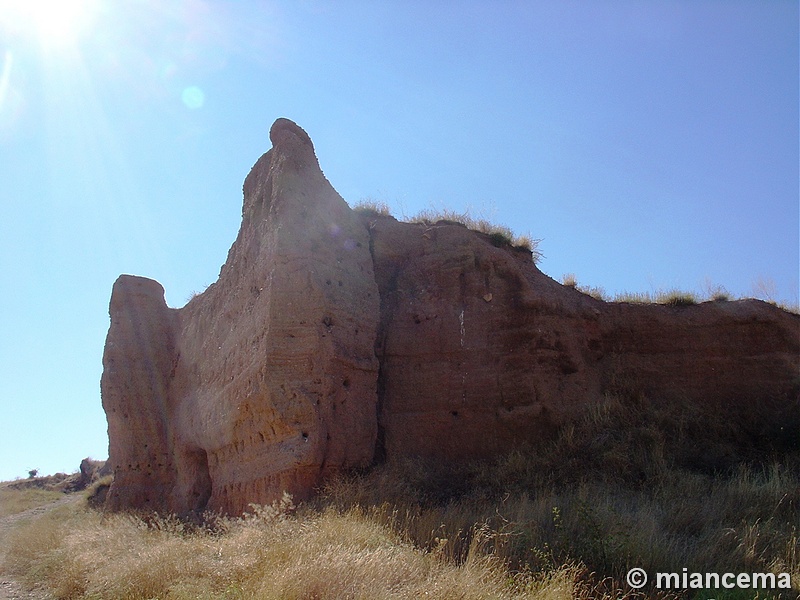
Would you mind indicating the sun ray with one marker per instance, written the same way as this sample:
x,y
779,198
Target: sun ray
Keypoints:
x,y
54,23
5,76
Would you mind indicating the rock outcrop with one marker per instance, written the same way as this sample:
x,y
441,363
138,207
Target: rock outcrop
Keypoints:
x,y
334,339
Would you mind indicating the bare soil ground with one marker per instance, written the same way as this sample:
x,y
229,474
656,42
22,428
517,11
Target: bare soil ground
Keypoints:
x,y
10,589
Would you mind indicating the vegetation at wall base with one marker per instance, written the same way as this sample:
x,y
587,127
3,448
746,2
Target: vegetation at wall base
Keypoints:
x,y
660,486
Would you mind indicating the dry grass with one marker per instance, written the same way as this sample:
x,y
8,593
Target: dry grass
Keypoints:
x,y
14,501
674,296
276,553
743,523
635,483
372,206
499,235
671,297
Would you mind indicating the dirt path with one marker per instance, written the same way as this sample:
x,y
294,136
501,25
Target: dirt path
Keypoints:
x,y
10,589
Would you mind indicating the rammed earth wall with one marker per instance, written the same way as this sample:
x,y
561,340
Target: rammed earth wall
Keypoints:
x,y
334,339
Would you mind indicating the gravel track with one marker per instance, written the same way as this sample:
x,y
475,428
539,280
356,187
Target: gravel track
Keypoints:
x,y
10,589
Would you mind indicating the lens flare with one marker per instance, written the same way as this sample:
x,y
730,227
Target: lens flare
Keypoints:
x,y
193,97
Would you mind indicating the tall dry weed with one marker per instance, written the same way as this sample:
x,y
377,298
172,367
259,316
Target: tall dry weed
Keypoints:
x,y
565,519
309,554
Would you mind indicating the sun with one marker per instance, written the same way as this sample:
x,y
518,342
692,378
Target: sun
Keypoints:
x,y
54,23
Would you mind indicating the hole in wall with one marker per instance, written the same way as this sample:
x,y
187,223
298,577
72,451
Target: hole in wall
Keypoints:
x,y
200,490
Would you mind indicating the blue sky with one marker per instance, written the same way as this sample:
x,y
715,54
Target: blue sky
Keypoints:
x,y
651,145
